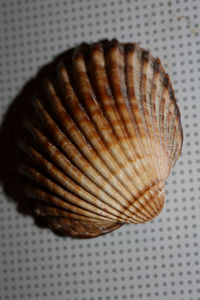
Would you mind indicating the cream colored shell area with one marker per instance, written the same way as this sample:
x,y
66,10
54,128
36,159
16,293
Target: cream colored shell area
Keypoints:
x,y
105,135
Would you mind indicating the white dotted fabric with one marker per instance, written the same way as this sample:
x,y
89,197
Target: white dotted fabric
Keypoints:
x,y
157,260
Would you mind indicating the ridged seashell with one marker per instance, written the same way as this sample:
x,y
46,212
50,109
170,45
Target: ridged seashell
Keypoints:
x,y
105,134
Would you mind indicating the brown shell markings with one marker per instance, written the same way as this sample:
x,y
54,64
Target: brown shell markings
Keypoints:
x,y
105,134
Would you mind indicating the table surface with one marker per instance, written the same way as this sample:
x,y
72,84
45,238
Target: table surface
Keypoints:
x,y
157,260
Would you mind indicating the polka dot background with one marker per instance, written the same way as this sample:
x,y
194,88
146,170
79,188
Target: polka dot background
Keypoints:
x,y
157,260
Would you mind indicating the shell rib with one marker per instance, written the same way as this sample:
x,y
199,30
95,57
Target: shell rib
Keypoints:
x,y
105,134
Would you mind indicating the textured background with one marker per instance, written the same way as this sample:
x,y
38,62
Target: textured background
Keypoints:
x,y
157,260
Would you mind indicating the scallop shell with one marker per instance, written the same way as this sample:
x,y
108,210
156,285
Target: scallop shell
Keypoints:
x,y
105,134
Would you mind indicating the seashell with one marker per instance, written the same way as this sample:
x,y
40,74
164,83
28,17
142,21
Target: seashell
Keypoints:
x,y
105,134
